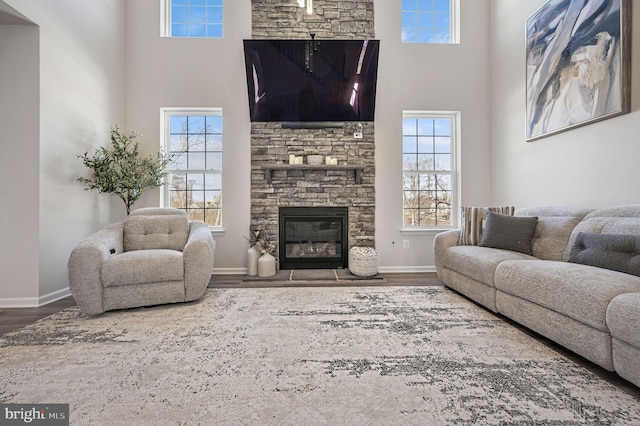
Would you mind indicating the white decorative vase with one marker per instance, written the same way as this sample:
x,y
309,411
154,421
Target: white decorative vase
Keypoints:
x,y
252,260
266,265
314,160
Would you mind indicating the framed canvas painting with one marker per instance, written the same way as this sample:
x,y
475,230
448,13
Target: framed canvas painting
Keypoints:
x,y
578,64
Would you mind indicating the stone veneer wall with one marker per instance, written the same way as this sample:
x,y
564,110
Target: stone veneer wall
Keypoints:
x,y
344,19
272,144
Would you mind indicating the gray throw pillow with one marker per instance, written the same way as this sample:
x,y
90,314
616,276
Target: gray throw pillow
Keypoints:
x,y
474,222
509,232
618,252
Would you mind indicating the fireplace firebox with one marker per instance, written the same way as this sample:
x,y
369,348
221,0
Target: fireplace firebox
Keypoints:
x,y
313,237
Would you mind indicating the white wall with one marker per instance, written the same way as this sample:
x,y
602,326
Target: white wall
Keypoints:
x,y
87,84
591,166
166,72
428,77
81,95
19,95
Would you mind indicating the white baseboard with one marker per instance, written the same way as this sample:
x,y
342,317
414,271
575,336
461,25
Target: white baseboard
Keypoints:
x,y
34,302
229,271
406,269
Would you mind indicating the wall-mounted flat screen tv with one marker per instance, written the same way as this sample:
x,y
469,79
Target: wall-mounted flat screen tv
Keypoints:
x,y
311,80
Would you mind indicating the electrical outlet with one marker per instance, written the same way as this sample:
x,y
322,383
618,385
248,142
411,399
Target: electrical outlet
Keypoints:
x,y
405,244
357,135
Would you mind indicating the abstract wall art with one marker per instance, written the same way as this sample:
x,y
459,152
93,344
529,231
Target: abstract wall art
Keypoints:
x,y
578,64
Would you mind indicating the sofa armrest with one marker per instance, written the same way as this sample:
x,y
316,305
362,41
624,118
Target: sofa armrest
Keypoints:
x,y
443,241
198,260
85,264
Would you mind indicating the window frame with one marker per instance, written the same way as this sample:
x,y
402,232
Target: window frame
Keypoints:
x,y
454,173
165,23
165,143
454,26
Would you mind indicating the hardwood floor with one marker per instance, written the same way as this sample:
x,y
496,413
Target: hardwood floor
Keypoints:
x,y
14,318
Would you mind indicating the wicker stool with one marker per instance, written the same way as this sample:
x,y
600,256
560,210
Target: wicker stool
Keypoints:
x,y
363,261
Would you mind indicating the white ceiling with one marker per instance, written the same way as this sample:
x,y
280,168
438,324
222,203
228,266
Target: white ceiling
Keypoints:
x,y
9,16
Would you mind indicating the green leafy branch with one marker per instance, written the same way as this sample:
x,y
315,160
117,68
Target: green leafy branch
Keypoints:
x,y
120,171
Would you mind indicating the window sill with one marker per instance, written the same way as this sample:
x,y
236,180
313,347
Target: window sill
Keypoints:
x,y
216,231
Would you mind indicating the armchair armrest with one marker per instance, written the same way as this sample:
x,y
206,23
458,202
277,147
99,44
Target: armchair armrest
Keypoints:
x,y
198,256
443,241
85,263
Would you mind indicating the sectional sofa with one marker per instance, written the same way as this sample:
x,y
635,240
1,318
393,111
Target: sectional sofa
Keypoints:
x,y
575,281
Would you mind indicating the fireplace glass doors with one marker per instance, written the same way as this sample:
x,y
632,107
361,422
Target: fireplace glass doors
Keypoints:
x,y
313,237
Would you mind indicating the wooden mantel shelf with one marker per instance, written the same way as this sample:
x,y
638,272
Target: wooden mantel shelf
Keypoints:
x,y
359,169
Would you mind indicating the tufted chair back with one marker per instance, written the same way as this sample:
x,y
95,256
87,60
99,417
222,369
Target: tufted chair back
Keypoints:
x,y
156,228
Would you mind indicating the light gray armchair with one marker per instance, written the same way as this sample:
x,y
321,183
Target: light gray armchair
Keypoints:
x,y
155,256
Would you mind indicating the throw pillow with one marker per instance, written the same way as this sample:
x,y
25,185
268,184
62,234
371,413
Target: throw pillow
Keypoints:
x,y
509,232
618,252
473,222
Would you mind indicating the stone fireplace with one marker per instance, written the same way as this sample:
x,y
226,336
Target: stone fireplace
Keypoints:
x,y
352,189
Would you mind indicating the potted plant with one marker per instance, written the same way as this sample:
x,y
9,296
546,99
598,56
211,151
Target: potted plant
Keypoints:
x,y
118,170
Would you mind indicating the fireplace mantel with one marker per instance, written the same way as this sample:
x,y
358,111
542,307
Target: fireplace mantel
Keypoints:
x,y
359,169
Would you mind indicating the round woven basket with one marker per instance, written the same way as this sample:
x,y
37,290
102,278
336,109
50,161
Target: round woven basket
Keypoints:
x,y
363,261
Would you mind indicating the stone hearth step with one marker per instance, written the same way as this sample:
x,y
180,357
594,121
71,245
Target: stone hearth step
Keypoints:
x,y
302,275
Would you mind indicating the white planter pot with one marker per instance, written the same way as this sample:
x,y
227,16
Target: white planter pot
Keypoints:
x,y
266,265
252,261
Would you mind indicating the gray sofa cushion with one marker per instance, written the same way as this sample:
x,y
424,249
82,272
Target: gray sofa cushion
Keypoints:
x,y
478,263
473,222
580,292
623,317
509,232
553,230
617,252
148,232
610,220
142,267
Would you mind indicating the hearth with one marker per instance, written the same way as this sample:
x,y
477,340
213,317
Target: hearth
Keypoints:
x,y
313,237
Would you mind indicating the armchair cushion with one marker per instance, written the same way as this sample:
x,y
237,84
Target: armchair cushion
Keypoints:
x,y
141,267
148,229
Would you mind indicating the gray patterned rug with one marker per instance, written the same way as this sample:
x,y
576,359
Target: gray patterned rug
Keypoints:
x,y
304,356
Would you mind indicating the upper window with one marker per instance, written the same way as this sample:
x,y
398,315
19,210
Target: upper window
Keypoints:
x,y
429,21
429,156
194,140
193,18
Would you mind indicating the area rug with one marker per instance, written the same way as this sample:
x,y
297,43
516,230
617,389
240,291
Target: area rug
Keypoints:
x,y
304,356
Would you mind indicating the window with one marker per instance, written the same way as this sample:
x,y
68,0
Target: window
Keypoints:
x,y
192,18
194,140
429,21
429,147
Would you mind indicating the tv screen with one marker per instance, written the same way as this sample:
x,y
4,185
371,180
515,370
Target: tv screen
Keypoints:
x,y
311,80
